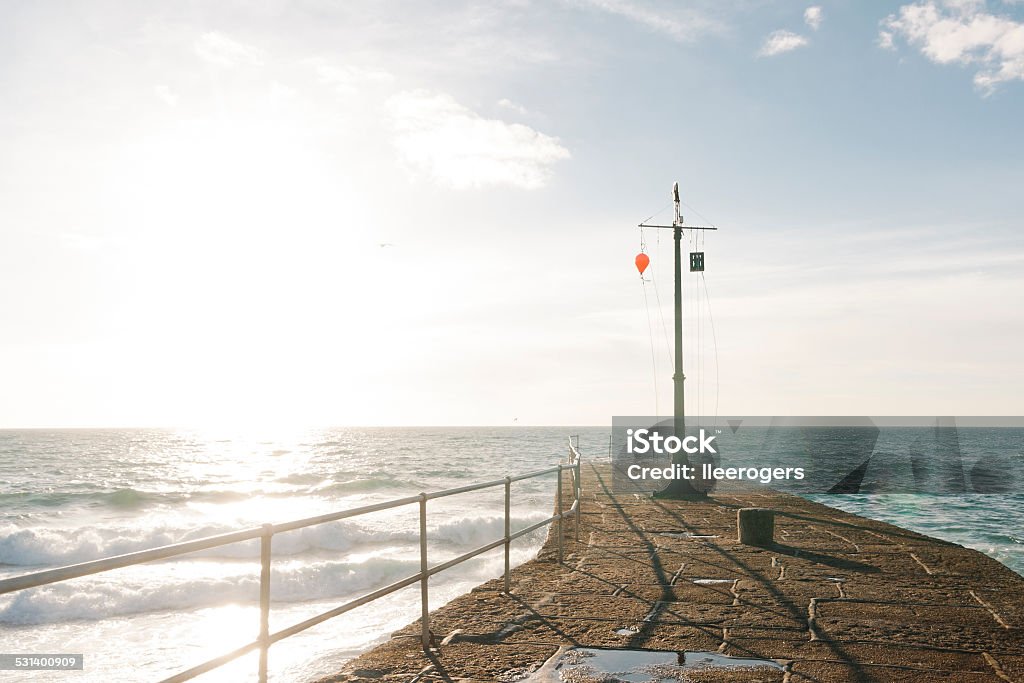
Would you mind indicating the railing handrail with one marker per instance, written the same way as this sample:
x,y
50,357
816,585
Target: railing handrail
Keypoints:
x,y
266,533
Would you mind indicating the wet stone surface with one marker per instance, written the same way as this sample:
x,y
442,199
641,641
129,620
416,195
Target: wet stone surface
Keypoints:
x,y
594,665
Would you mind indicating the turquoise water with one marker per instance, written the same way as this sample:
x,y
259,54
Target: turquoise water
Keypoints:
x,y
992,523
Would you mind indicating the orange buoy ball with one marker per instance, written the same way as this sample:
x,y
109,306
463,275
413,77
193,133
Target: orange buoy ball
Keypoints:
x,y
642,261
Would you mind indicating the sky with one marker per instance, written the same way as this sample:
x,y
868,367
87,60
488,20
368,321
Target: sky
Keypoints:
x,y
425,213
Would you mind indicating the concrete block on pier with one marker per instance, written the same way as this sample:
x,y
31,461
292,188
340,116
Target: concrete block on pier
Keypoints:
x,y
756,526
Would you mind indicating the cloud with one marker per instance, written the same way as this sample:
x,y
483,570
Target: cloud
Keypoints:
x,y
457,147
506,103
80,241
680,25
165,93
219,49
781,41
961,32
347,78
813,17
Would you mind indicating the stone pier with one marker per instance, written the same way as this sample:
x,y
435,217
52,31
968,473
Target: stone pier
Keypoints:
x,y
835,598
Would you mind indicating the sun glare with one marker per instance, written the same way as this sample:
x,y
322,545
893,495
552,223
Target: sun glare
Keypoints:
x,y
244,253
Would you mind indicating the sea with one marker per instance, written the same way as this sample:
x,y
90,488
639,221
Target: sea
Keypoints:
x,y
69,496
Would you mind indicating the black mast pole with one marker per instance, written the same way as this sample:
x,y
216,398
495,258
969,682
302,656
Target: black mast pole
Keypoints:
x,y
679,402
678,487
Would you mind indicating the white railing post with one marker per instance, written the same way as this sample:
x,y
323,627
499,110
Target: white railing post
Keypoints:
x,y
424,597
264,637
559,512
578,486
508,531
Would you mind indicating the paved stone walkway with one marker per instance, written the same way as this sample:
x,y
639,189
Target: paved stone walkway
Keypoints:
x,y
839,598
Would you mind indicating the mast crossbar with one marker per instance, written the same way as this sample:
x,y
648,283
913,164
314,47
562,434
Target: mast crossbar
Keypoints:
x,y
672,227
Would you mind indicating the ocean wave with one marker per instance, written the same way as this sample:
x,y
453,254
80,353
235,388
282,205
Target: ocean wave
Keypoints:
x,y
126,498
362,484
112,596
129,499
135,499
49,547
301,478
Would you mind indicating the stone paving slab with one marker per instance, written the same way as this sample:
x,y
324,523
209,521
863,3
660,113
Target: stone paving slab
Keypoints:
x,y
838,598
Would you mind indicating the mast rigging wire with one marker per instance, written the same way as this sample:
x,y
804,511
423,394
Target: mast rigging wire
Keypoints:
x,y
661,309
650,328
714,336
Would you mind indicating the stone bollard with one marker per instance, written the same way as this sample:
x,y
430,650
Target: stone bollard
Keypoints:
x,y
756,526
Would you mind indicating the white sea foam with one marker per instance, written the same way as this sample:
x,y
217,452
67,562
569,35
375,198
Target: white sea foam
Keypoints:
x,y
198,585
48,546
110,595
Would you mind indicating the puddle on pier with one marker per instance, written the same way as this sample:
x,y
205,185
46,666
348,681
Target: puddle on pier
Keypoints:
x,y
599,665
672,534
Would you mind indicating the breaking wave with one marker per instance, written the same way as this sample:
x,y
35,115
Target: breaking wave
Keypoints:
x,y
102,597
48,547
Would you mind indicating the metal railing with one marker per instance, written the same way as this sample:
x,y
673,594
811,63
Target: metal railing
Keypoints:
x,y
266,532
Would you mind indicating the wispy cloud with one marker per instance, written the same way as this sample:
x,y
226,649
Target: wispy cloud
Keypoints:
x,y
780,42
682,25
457,147
813,16
961,32
81,241
222,50
506,103
348,78
165,93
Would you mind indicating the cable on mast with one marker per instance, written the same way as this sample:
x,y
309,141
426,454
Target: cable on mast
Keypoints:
x,y
642,263
714,337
